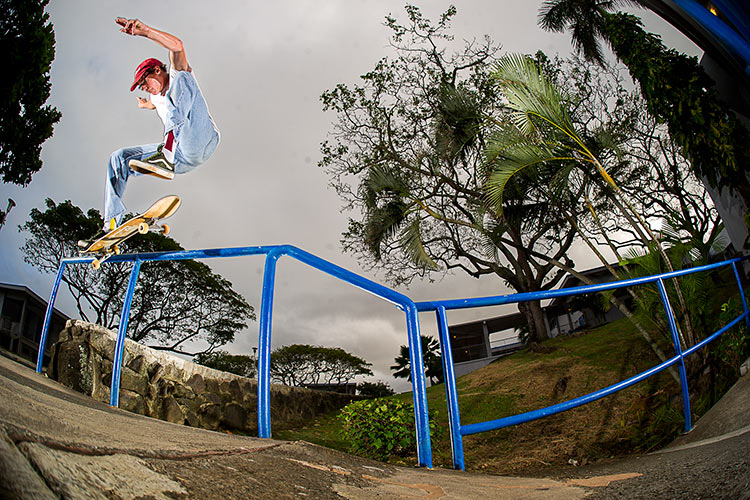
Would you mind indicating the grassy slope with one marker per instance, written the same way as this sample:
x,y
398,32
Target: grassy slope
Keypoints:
x,y
640,418
526,381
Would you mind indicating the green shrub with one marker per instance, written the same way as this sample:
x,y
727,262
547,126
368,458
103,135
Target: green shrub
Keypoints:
x,y
381,429
733,346
654,421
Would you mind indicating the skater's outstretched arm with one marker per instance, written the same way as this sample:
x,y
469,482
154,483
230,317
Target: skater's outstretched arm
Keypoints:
x,y
170,42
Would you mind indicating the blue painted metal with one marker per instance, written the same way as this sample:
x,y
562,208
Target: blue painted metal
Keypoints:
x,y
723,33
576,402
401,301
48,318
703,343
678,352
114,394
264,346
451,392
564,406
419,387
588,398
742,295
497,300
404,303
411,310
736,15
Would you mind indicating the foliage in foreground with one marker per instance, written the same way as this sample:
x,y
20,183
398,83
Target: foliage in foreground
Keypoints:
x,y
382,429
377,389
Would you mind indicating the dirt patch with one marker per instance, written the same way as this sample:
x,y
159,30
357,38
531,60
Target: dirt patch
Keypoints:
x,y
584,435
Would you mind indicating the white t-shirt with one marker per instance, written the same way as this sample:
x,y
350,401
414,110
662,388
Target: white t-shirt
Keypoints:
x,y
160,101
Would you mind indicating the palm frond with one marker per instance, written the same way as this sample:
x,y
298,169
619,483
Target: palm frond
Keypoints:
x,y
382,223
411,243
506,160
532,98
555,15
585,19
380,179
490,238
457,122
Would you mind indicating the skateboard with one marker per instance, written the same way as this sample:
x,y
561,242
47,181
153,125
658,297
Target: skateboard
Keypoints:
x,y
109,244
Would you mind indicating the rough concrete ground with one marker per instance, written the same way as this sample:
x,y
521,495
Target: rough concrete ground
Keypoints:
x,y
56,443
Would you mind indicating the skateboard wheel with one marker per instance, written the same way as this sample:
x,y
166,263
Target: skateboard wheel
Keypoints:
x,y
117,250
143,228
165,229
96,264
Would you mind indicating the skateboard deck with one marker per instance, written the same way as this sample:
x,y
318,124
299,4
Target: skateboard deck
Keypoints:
x,y
108,245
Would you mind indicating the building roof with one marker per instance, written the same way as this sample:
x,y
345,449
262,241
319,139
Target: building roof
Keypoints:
x,y
497,324
28,291
597,274
720,27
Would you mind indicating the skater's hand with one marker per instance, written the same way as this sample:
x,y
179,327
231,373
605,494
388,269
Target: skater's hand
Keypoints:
x,y
145,103
132,26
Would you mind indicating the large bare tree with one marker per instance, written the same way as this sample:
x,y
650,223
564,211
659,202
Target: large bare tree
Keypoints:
x,y
406,156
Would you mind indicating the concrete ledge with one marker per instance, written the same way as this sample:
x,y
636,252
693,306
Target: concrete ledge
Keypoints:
x,y
745,367
26,484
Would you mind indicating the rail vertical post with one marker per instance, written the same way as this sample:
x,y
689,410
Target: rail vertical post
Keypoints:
x,y
451,394
678,351
742,294
264,346
48,318
419,391
114,395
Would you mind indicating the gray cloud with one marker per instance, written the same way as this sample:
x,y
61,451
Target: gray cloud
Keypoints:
x,y
262,66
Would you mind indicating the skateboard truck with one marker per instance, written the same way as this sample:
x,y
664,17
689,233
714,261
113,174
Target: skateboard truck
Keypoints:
x,y
109,244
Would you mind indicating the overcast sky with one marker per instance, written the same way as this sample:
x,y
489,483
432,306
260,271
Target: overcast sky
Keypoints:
x,y
262,67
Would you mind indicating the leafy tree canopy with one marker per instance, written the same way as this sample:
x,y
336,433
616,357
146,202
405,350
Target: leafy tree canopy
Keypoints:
x,y
301,365
27,42
406,156
377,389
239,364
176,303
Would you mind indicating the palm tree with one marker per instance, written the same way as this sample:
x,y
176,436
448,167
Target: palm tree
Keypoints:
x,y
433,362
676,89
540,133
586,19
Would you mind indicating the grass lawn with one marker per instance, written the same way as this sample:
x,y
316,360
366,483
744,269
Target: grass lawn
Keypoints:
x,y
528,380
638,419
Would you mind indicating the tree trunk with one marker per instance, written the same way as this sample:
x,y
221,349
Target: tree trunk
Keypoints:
x,y
535,320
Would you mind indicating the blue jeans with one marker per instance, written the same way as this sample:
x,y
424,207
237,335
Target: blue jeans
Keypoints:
x,y
196,138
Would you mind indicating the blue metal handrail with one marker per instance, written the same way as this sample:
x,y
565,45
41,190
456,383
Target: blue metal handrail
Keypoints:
x,y
411,309
457,430
272,253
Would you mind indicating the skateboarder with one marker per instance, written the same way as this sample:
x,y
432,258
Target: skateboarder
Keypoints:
x,y
190,134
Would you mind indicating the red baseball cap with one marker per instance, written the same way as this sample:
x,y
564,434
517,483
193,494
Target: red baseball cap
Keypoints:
x,y
143,68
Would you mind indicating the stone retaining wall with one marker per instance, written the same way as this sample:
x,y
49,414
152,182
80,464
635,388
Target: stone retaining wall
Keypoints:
x,y
167,387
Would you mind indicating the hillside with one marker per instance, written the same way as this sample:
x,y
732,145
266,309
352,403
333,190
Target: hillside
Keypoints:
x,y
639,419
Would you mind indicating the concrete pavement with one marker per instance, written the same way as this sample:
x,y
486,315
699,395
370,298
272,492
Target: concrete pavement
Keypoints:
x,y
57,443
